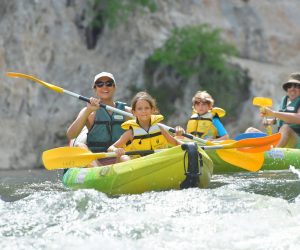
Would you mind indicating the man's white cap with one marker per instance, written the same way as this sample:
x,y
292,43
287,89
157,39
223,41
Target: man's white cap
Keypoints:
x,y
102,74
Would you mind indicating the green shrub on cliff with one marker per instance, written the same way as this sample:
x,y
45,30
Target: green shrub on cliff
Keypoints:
x,y
113,12
193,50
199,54
99,13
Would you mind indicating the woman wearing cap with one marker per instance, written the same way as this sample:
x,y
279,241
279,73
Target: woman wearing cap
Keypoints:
x,y
205,122
289,114
103,127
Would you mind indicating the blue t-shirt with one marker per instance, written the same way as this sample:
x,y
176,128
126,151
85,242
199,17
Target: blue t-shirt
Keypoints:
x,y
219,126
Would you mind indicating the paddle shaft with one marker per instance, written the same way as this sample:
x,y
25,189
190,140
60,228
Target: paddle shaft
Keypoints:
x,y
110,108
133,152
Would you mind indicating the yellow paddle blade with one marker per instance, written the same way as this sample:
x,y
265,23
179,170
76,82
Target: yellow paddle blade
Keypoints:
x,y
262,101
219,111
248,161
67,157
250,145
250,158
268,143
45,84
258,149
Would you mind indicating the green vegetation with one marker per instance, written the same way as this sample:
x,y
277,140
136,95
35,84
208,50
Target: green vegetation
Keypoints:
x,y
114,12
196,53
192,50
99,13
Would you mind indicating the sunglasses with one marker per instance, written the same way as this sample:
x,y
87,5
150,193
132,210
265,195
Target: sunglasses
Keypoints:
x,y
205,102
107,84
293,84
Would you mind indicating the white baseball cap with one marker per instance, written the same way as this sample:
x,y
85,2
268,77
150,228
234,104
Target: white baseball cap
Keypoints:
x,y
102,74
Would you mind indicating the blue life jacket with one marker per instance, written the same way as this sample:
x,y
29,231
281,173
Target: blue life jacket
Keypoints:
x,y
106,129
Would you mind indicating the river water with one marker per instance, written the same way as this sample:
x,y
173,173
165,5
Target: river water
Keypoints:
x,y
238,211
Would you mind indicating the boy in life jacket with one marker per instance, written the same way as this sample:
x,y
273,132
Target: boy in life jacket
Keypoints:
x,y
144,132
205,122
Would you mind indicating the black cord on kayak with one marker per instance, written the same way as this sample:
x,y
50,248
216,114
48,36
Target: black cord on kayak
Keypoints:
x,y
195,164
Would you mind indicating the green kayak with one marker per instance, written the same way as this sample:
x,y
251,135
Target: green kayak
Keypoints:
x,y
274,159
174,168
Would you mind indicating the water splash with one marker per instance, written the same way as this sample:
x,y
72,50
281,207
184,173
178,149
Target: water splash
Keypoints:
x,y
295,171
238,212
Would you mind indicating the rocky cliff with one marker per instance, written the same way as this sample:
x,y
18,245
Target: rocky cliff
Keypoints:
x,y
50,40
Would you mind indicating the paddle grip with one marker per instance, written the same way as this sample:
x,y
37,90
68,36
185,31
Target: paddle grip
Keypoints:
x,y
184,134
188,136
83,98
140,152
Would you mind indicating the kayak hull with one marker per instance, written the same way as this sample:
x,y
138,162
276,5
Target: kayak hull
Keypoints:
x,y
159,171
274,159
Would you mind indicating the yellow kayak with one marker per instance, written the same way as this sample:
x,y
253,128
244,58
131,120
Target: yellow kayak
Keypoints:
x,y
174,168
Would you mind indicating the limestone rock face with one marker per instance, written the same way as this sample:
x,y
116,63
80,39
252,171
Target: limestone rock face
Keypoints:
x,y
49,40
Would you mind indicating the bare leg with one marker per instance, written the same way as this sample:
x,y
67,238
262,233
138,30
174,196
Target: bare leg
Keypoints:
x,y
288,137
252,130
93,163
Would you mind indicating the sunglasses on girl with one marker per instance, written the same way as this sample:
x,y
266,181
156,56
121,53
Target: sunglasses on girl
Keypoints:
x,y
107,84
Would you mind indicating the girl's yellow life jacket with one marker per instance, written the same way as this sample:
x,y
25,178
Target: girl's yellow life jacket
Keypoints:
x,y
146,140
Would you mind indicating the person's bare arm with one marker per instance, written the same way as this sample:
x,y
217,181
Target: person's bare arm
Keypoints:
x,y
85,118
284,116
222,138
170,138
81,121
119,146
